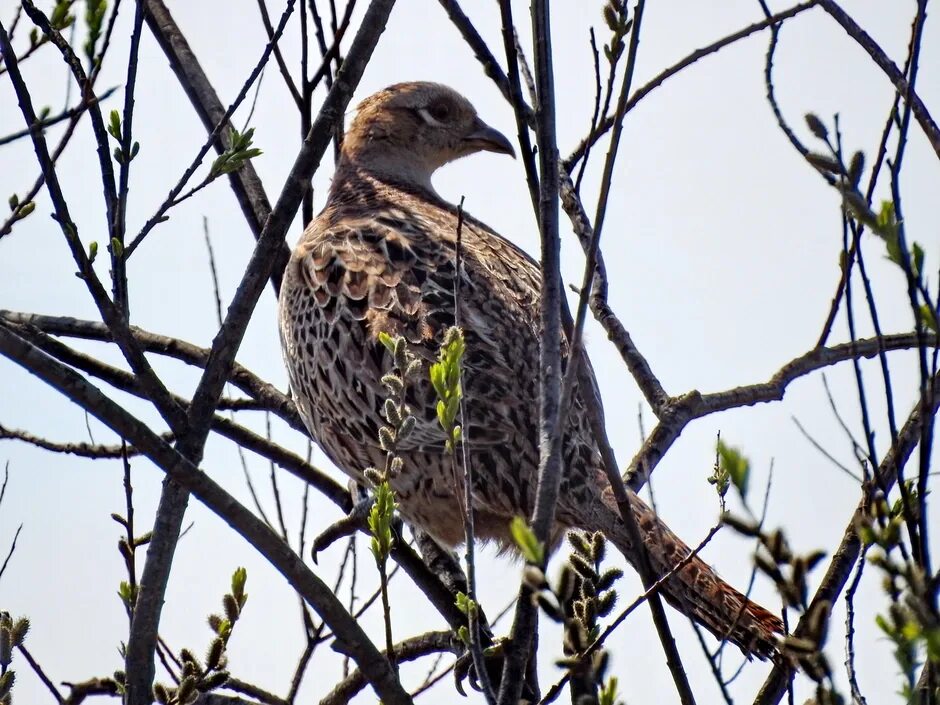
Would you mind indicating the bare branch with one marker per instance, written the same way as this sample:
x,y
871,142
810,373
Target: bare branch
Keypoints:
x,y
67,114
267,542
82,450
845,556
407,650
679,66
864,40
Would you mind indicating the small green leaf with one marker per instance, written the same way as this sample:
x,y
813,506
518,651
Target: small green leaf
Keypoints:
x,y
887,227
529,546
239,577
929,318
721,479
94,17
236,155
738,467
437,379
445,378
608,693
60,17
387,341
25,209
114,125
917,259
380,521
465,604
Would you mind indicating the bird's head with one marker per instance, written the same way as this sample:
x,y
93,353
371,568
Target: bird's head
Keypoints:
x,y
409,130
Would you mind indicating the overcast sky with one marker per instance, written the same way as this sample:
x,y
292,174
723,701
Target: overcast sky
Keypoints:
x,y
722,246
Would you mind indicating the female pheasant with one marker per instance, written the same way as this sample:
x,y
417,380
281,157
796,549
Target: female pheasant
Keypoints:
x,y
381,257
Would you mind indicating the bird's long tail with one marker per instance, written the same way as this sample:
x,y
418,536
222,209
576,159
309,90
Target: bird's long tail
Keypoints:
x,y
695,589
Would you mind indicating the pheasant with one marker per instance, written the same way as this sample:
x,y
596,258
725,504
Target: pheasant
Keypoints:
x,y
381,258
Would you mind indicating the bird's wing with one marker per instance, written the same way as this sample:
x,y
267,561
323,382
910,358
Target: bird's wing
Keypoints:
x,y
397,275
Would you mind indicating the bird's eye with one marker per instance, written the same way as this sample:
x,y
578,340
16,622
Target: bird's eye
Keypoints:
x,y
440,111
436,114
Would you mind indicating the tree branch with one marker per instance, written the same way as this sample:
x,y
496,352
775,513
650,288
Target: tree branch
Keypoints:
x,y
68,382
550,359
409,649
847,553
864,40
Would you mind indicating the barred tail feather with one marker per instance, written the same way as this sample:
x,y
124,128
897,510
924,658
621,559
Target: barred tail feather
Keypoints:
x,y
696,590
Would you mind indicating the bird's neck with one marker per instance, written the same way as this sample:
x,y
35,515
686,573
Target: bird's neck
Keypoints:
x,y
379,176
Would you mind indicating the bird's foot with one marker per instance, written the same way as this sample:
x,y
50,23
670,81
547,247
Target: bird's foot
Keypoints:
x,y
464,668
356,520
493,657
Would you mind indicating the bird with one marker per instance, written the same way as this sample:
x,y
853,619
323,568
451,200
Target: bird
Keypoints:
x,y
381,258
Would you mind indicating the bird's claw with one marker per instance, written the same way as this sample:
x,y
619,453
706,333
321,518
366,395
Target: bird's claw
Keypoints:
x,y
464,668
356,520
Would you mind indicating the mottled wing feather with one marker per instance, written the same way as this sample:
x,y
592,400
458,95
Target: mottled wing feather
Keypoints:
x,y
390,276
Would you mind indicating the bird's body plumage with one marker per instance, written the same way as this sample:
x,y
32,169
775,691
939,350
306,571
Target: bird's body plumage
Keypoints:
x,y
382,257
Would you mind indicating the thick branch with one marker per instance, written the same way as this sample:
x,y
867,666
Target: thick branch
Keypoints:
x,y
273,399
354,641
408,650
680,411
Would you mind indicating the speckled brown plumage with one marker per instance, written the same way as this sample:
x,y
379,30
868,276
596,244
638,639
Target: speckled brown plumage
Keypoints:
x,y
381,257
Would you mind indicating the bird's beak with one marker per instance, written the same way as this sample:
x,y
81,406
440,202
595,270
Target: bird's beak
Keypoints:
x,y
486,138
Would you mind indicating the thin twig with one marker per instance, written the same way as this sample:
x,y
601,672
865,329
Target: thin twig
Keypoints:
x,y
220,134
550,357
278,56
847,553
67,114
82,450
649,592
888,67
467,476
6,560
679,66
109,312
857,697
41,674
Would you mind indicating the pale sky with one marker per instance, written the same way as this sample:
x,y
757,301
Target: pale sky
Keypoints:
x,y
722,246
